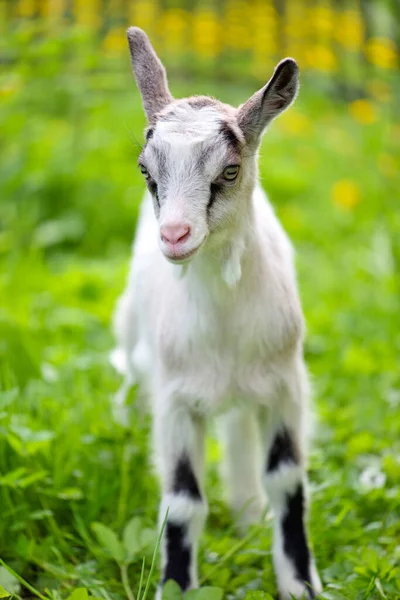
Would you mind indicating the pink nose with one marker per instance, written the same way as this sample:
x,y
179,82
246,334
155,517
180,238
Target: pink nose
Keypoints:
x,y
175,233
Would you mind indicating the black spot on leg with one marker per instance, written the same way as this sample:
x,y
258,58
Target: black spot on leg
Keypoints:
x,y
282,450
295,538
185,480
178,556
178,548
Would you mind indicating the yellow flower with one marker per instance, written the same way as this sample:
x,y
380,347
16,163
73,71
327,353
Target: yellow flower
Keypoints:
x,y
26,8
321,58
382,52
144,14
363,111
87,13
346,194
322,20
236,28
53,9
349,30
173,27
115,41
206,33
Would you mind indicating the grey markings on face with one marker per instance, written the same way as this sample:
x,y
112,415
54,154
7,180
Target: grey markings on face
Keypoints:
x,y
231,137
191,137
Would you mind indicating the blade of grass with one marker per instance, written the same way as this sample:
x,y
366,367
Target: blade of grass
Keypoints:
x,y
155,553
22,581
141,578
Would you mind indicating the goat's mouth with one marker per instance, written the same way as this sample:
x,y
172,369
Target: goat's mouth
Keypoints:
x,y
180,258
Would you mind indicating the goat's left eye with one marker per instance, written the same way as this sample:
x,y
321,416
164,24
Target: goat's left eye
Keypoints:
x,y
144,171
231,172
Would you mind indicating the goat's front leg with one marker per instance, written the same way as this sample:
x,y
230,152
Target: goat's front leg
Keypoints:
x,y
286,485
179,450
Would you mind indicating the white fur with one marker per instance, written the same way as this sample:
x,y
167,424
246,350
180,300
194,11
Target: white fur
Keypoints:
x,y
244,457
282,482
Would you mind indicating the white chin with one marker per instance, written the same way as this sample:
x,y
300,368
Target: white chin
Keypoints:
x,y
180,259
185,257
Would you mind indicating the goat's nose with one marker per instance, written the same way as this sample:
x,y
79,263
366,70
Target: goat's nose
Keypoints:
x,y
175,233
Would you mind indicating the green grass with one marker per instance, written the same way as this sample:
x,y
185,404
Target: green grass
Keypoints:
x,y
69,200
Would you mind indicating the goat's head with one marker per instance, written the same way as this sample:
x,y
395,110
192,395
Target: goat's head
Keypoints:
x,y
199,156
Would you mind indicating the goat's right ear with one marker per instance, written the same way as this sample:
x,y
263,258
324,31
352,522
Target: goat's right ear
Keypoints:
x,y
266,104
149,72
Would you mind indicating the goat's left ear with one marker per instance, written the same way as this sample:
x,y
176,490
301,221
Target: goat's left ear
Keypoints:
x,y
266,104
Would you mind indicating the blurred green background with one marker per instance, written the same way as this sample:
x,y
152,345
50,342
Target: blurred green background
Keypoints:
x,y
70,131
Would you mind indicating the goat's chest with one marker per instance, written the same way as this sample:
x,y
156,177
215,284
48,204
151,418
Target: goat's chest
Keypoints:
x,y
210,351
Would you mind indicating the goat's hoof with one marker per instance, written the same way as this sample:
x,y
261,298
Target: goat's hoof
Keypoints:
x,y
291,587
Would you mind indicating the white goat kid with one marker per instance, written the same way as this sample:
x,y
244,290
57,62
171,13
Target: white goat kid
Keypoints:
x,y
210,322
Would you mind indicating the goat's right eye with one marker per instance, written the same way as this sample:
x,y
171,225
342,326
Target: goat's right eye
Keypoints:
x,y
144,171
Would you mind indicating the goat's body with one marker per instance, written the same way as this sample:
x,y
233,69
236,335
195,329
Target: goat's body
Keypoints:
x,y
191,335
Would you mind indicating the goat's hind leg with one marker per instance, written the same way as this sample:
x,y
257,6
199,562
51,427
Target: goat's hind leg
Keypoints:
x,y
242,464
179,449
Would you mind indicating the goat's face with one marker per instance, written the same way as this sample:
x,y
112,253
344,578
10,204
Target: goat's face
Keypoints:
x,y
199,156
192,163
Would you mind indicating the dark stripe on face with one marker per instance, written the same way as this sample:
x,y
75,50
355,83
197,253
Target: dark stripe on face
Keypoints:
x,y
294,536
149,133
281,451
153,189
178,556
230,137
185,480
214,190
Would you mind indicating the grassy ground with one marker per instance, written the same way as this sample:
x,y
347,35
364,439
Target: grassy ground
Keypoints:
x,y
69,199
